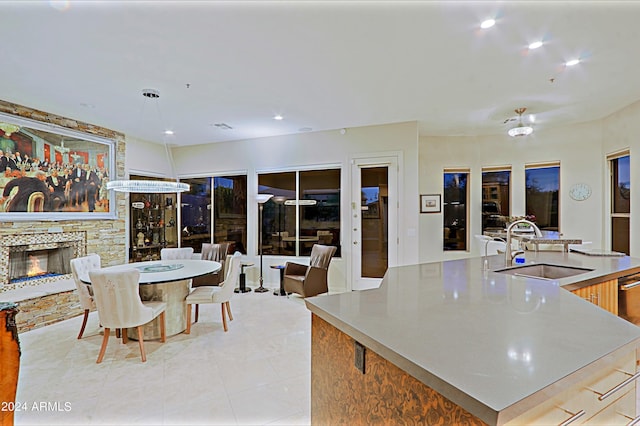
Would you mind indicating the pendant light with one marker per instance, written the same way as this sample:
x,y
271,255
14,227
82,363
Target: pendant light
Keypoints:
x,y
520,129
149,186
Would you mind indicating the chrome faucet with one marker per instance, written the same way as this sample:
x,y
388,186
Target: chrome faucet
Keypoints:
x,y
508,253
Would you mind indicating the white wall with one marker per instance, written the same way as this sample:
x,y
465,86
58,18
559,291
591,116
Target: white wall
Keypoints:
x,y
577,147
328,148
146,158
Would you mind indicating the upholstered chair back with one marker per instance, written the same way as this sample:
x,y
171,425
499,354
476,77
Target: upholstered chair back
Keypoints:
x,y
231,280
321,256
118,299
176,253
82,266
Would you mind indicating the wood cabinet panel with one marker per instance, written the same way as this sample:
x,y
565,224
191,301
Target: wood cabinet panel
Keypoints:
x,y
384,394
604,294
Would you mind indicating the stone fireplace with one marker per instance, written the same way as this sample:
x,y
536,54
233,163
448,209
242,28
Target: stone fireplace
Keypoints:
x,y
34,259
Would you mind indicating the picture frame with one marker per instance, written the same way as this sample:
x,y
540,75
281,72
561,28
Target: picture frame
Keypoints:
x,y
371,211
430,203
52,173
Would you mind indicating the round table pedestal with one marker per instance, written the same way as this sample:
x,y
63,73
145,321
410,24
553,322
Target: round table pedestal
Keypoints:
x,y
173,294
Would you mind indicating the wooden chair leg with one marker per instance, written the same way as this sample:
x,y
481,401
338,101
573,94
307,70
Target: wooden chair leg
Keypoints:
x,y
224,317
141,344
84,323
103,348
197,312
188,330
125,336
118,333
229,310
163,327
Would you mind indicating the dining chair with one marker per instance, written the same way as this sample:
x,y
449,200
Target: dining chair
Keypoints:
x,y
117,297
216,294
309,280
218,253
82,265
172,253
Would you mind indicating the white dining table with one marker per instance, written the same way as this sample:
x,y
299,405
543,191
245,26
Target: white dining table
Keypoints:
x,y
167,281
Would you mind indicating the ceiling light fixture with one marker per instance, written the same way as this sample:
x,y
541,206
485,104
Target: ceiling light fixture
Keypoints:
x,y
572,62
520,129
487,24
150,186
278,117
9,128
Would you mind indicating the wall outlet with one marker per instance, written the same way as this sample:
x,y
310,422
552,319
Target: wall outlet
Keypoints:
x,y
359,350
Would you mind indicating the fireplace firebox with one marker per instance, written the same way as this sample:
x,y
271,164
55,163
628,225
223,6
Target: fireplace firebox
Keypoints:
x,y
34,259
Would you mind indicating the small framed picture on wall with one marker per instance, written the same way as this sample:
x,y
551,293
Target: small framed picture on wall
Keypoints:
x,y
430,203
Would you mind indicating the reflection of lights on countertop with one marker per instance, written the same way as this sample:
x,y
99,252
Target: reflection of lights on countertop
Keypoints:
x,y
523,355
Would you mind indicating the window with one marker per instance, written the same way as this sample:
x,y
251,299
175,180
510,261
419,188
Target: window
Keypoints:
x,y
195,213
620,167
230,212
495,198
455,210
304,210
542,195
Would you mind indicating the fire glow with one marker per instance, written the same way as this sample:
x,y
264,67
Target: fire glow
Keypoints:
x,y
34,268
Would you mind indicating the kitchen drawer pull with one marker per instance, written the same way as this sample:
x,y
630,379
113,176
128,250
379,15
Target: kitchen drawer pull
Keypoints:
x,y
615,389
630,285
634,421
573,418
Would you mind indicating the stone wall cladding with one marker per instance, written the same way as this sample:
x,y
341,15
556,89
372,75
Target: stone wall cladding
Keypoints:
x,y
104,237
41,311
107,238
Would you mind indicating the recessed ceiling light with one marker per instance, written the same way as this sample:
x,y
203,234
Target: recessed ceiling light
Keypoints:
x,y
487,24
535,45
278,117
168,132
572,62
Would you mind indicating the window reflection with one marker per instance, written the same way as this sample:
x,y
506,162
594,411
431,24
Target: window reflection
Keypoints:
x,y
195,210
542,196
455,211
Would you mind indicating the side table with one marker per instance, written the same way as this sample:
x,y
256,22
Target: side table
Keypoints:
x,y
281,292
243,279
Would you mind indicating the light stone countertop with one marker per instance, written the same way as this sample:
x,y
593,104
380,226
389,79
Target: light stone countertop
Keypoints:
x,y
487,341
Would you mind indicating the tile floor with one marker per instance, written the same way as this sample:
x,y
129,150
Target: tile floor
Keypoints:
x,y
258,373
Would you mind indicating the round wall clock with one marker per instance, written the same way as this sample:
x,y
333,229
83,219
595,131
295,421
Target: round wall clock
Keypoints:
x,y
580,191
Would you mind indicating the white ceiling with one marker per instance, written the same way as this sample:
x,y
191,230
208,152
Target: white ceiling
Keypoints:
x,y
322,65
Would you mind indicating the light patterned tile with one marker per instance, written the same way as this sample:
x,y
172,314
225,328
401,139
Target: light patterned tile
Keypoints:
x,y
256,373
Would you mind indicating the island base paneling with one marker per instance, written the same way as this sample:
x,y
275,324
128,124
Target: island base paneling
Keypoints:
x,y
384,394
604,294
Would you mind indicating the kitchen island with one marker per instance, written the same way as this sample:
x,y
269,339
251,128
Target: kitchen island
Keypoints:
x,y
450,342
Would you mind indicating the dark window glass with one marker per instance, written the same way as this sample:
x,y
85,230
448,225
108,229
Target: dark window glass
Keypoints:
x,y
319,209
542,195
495,199
230,207
196,213
279,213
621,189
455,211
316,208
621,203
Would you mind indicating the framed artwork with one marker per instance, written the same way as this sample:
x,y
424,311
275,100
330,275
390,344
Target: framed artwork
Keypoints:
x,y
430,203
49,172
371,210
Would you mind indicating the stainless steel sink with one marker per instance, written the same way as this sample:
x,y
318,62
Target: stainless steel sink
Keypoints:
x,y
544,271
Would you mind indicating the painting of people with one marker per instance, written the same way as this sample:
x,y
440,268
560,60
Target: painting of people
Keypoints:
x,y
57,171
